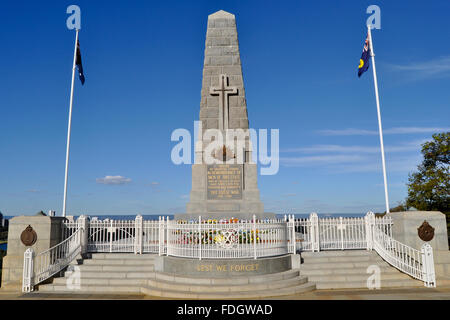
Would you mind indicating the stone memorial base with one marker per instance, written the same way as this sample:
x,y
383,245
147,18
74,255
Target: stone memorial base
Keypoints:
x,y
226,268
406,224
48,232
224,191
405,230
229,215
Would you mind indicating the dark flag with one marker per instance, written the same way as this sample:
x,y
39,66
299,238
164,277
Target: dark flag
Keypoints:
x,y
364,61
79,64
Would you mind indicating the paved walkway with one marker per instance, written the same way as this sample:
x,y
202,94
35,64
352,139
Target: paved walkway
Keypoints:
x,y
442,293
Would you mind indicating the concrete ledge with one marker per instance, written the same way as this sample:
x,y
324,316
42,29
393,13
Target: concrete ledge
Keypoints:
x,y
224,268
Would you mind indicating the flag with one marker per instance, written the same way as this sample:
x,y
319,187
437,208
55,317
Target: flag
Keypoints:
x,y
364,61
79,64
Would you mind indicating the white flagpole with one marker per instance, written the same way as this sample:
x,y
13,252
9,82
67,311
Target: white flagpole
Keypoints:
x,y
380,128
70,124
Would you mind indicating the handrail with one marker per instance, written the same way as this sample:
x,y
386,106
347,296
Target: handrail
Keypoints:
x,y
51,261
417,264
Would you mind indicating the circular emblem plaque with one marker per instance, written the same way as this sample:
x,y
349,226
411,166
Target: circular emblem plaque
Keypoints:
x,y
425,231
28,236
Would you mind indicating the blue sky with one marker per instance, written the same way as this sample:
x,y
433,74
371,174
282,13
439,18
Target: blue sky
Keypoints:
x,y
143,64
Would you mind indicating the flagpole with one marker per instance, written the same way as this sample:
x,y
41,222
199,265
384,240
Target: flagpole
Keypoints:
x,y
380,128
70,124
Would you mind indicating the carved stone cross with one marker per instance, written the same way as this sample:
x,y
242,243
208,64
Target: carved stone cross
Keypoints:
x,y
223,90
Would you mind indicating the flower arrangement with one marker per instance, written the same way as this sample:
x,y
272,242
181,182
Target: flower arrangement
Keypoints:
x,y
219,235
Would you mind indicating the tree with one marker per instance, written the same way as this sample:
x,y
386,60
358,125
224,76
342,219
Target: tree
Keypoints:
x,y
429,187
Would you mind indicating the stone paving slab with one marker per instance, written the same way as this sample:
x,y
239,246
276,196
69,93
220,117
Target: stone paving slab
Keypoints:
x,y
442,293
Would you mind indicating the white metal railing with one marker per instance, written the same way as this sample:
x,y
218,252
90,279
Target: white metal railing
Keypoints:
x,y
111,236
227,239
417,264
232,238
314,234
44,265
138,236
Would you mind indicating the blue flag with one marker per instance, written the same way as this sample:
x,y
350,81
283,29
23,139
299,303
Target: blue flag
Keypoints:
x,y
364,61
79,64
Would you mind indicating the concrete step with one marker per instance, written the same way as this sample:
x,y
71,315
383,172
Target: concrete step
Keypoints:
x,y
230,281
127,262
346,259
443,282
341,265
302,288
354,277
338,253
198,288
127,256
112,274
338,271
86,289
101,281
125,268
363,284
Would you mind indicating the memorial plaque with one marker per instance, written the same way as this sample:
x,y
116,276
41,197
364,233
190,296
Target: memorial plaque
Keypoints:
x,y
224,181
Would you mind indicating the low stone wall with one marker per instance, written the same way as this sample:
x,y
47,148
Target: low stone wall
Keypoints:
x,y
224,268
48,231
405,230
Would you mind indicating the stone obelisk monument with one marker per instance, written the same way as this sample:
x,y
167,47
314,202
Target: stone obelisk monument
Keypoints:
x,y
224,177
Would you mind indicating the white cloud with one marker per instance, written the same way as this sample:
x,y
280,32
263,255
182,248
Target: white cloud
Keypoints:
x,y
345,159
398,130
290,195
320,160
402,165
327,148
408,130
154,183
113,180
437,67
347,132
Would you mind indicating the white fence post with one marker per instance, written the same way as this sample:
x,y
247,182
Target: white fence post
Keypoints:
x,y
160,235
428,266
83,224
369,220
166,241
341,227
314,231
28,271
254,236
291,234
111,232
138,226
200,237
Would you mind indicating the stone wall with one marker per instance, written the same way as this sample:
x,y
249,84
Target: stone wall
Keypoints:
x,y
48,230
405,230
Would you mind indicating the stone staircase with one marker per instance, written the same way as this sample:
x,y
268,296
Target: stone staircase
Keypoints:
x,y
348,269
254,287
129,273
105,273
135,274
